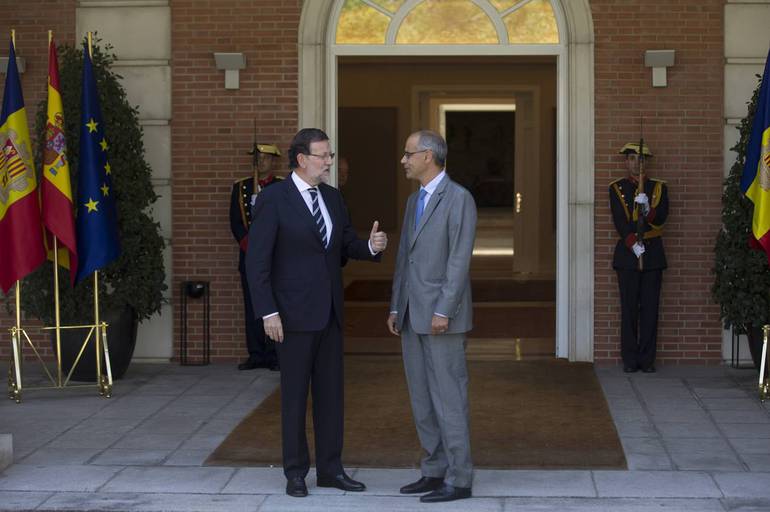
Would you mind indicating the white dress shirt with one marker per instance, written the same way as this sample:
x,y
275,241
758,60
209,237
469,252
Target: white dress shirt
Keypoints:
x,y
304,188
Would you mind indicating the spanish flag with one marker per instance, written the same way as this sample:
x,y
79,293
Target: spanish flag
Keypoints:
x,y
755,181
21,235
56,189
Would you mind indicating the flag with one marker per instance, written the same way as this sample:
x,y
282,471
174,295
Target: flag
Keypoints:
x,y
21,235
97,226
56,188
755,181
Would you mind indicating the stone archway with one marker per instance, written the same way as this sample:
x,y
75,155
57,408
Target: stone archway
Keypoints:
x,y
575,154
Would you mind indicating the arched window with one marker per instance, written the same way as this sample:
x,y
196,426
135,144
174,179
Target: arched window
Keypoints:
x,y
446,22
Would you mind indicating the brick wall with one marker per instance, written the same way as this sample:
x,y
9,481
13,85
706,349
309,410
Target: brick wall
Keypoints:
x,y
32,44
212,129
683,126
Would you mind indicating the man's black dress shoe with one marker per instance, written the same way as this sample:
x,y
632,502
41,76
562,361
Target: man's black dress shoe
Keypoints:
x,y
630,369
295,486
341,481
249,364
424,484
446,493
649,369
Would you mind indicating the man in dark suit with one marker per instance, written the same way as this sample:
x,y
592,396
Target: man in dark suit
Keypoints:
x,y
300,234
638,211
244,194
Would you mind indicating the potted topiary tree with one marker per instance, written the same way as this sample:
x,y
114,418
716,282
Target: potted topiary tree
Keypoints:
x,y
742,275
131,288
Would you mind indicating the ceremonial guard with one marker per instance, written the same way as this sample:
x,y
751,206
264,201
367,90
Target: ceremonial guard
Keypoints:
x,y
639,209
261,349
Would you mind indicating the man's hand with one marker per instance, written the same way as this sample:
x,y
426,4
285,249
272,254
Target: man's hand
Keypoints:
x,y
378,239
391,322
638,249
439,324
274,328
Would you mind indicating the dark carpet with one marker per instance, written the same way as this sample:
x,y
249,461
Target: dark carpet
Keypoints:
x,y
524,414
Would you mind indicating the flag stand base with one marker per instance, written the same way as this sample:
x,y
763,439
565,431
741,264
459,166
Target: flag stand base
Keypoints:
x,y
103,379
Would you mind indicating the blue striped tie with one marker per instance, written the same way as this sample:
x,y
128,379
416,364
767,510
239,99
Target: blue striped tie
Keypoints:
x,y
319,218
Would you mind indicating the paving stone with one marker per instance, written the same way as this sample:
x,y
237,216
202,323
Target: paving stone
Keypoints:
x,y
146,502
611,505
272,481
6,451
755,416
730,404
146,441
203,442
744,485
533,483
646,454
746,505
635,428
59,456
357,502
655,484
758,446
13,500
118,457
695,454
759,462
187,458
747,430
23,477
691,430
169,479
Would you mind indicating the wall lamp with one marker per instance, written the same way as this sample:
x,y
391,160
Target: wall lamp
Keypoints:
x,y
231,63
21,64
659,60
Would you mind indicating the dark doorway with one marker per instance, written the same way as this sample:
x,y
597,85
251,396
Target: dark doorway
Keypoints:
x,y
481,150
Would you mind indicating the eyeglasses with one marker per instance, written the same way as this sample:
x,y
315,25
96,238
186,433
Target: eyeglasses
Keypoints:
x,y
327,156
408,154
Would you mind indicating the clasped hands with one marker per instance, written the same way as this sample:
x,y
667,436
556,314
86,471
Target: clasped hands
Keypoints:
x,y
644,203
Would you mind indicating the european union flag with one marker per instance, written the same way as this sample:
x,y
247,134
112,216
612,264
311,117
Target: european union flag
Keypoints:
x,y
97,226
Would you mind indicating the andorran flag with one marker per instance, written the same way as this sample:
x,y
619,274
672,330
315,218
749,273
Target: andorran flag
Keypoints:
x,y
56,188
21,235
97,225
755,181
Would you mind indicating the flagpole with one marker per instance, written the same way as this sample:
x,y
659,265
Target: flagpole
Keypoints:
x,y
57,306
97,340
90,49
13,38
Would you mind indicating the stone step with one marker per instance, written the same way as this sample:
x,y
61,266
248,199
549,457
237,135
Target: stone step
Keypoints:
x,y
6,450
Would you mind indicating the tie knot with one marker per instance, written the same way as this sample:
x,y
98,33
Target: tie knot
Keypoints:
x,y
423,193
313,191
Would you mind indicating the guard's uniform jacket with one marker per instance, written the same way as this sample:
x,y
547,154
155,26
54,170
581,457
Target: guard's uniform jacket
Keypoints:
x,y
639,290
261,348
622,193
240,210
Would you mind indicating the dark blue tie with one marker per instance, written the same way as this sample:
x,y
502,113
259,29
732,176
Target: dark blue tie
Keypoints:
x,y
319,218
420,207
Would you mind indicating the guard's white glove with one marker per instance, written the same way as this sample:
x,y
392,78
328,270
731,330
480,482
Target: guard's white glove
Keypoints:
x,y
638,249
643,202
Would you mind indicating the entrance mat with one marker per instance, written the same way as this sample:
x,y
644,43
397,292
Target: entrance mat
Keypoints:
x,y
484,290
522,320
524,414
